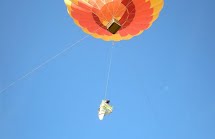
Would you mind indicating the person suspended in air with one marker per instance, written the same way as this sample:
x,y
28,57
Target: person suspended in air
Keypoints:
x,y
104,109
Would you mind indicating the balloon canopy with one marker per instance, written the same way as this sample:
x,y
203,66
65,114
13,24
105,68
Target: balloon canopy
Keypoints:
x,y
114,20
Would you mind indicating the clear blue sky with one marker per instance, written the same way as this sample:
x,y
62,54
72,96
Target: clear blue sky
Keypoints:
x,y
162,83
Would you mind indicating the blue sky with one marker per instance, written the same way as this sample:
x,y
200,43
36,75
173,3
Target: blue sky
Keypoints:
x,y
161,82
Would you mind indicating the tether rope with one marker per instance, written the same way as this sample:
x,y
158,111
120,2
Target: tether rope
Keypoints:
x,y
109,69
43,64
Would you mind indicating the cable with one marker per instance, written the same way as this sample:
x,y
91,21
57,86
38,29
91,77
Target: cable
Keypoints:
x,y
109,69
43,64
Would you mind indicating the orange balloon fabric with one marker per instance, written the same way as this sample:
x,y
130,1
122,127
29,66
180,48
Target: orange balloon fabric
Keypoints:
x,y
134,16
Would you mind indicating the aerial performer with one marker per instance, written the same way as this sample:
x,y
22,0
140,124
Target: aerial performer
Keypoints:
x,y
104,109
113,20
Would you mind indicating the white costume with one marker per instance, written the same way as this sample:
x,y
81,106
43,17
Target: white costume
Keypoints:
x,y
104,109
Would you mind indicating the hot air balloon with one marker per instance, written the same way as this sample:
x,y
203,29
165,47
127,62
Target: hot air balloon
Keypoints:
x,y
114,20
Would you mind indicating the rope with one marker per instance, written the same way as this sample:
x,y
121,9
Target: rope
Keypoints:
x,y
109,69
42,64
